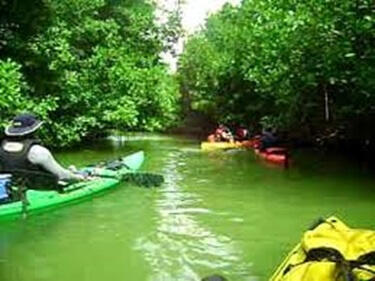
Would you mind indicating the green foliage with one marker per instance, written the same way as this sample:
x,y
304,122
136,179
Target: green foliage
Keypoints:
x,y
13,94
94,65
11,88
277,60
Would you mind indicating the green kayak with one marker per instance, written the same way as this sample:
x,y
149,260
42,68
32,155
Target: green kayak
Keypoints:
x,y
45,200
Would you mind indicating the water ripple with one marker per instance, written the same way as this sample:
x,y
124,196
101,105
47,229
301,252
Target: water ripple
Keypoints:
x,y
182,248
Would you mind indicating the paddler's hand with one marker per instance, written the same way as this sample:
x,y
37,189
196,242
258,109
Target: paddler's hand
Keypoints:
x,y
73,169
80,177
88,176
83,176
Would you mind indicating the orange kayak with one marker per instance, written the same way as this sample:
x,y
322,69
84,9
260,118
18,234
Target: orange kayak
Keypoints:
x,y
276,155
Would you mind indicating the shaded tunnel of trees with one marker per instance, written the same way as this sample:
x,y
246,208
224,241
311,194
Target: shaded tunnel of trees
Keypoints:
x,y
305,68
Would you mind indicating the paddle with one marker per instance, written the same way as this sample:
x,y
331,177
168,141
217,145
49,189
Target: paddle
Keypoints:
x,y
109,170
143,179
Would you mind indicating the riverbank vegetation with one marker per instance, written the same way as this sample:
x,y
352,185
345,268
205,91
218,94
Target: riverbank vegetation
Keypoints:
x,y
85,66
305,68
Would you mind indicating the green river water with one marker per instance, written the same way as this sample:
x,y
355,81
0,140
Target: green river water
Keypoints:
x,y
221,212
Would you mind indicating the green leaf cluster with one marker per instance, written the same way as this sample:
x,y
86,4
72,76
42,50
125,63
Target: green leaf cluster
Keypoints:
x,y
286,62
87,66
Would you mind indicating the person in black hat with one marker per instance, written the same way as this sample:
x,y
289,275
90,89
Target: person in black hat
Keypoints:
x,y
268,139
20,152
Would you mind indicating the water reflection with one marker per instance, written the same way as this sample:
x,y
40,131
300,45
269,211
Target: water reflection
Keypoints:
x,y
182,248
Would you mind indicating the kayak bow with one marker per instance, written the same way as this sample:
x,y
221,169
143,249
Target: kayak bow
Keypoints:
x,y
330,251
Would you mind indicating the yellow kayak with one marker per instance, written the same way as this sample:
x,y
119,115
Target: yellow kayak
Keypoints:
x,y
209,146
331,251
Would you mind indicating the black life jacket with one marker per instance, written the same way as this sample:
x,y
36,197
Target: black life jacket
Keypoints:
x,y
23,171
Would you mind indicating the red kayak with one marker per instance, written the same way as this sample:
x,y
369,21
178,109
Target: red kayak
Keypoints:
x,y
277,155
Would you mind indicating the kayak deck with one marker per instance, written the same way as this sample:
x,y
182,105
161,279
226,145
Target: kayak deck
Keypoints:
x,y
43,200
324,249
210,146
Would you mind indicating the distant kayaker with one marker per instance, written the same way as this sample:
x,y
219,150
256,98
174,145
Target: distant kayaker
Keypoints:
x,y
267,140
242,134
222,133
21,153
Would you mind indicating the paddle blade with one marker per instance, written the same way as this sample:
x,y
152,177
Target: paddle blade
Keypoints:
x,y
143,179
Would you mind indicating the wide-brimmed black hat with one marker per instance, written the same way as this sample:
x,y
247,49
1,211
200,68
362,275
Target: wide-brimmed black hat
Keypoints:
x,y
22,125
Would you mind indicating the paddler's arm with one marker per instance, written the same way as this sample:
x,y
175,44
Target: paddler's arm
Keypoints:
x,y
41,156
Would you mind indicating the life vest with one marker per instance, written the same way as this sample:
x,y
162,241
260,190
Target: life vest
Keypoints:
x,y
24,172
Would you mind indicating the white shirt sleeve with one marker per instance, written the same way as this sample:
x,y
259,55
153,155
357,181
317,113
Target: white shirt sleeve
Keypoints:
x,y
40,155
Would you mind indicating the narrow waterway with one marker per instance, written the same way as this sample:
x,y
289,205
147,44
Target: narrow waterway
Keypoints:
x,y
220,212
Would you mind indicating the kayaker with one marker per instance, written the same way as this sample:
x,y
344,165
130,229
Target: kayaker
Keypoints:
x,y
242,134
267,140
222,133
21,152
